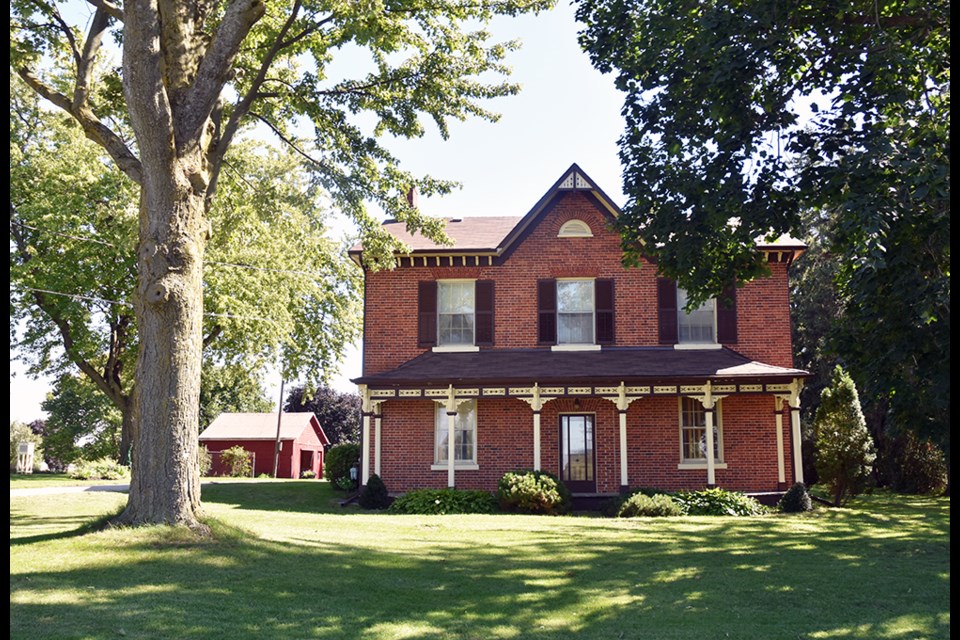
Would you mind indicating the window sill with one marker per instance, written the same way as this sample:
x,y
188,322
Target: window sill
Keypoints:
x,y
697,345
456,348
701,465
456,467
575,347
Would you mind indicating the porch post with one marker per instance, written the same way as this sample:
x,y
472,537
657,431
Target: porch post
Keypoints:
x,y
622,407
711,473
778,415
377,420
451,428
536,405
365,437
794,403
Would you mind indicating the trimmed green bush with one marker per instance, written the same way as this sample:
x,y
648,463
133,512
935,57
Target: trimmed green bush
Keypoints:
x,y
374,494
309,474
718,502
658,505
611,508
206,461
100,469
444,501
533,492
796,500
237,461
336,468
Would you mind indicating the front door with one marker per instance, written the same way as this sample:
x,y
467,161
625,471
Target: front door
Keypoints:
x,y
578,468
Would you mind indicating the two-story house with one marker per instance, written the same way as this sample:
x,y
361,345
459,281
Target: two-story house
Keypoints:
x,y
528,345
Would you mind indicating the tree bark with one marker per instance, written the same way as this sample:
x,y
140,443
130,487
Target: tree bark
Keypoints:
x,y
165,474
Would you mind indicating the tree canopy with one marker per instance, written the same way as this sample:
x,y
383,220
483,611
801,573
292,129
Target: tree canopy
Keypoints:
x,y
338,413
194,75
739,117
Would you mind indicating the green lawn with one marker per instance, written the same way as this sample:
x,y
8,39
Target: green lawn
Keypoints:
x,y
37,480
288,562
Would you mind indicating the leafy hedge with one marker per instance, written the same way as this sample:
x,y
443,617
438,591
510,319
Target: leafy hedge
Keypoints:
x,y
611,508
444,501
718,502
101,469
650,506
533,492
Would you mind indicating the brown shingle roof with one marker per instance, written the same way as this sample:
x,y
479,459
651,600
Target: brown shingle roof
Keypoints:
x,y
258,426
609,365
468,234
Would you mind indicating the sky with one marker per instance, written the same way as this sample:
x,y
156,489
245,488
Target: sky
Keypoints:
x,y
566,112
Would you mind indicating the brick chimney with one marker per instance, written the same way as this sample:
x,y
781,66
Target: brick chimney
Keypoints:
x,y
412,197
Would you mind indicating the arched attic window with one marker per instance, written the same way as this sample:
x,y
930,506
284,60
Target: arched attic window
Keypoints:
x,y
575,229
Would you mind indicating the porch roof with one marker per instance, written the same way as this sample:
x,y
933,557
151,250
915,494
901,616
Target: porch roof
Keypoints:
x,y
608,365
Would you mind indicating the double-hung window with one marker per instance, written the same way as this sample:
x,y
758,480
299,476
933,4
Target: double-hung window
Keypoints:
x,y
699,325
693,432
464,435
455,312
575,312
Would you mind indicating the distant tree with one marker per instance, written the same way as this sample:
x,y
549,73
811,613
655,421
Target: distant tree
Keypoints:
x,y
82,423
21,432
338,413
845,451
230,389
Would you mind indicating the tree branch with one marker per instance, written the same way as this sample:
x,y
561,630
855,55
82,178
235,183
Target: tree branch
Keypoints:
x,y
111,9
215,67
85,65
92,127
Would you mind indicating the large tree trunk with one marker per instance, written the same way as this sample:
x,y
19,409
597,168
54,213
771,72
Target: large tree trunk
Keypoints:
x,y
165,482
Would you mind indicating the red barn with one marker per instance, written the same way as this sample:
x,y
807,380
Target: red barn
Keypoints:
x,y
301,442
528,344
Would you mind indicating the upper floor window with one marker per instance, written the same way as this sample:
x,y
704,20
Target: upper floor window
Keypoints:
x,y
455,312
575,229
575,312
713,323
698,325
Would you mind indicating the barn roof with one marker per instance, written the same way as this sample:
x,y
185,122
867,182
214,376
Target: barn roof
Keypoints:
x,y
261,426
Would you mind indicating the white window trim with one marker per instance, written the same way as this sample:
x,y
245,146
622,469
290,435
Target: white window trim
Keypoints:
x,y
591,346
572,229
696,345
467,465
457,347
696,463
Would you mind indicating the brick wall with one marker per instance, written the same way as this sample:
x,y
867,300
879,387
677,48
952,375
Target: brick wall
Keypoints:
x,y
505,443
763,323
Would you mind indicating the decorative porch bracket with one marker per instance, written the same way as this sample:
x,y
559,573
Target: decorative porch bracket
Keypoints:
x,y
451,403
622,403
709,401
536,402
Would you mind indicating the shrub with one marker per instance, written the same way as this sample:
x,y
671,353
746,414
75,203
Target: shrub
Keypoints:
x,y
611,508
374,494
206,461
718,502
339,459
444,501
918,466
100,469
845,451
237,461
308,474
641,504
533,492
796,500
345,484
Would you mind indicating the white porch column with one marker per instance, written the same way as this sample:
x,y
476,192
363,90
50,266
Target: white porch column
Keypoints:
x,y
709,401
536,405
365,437
376,441
622,407
778,415
451,429
794,403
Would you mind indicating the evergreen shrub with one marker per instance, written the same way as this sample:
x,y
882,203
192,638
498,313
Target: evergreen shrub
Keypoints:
x,y
640,504
796,500
374,495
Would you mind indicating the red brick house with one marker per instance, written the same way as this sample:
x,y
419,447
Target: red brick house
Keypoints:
x,y
302,442
528,345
